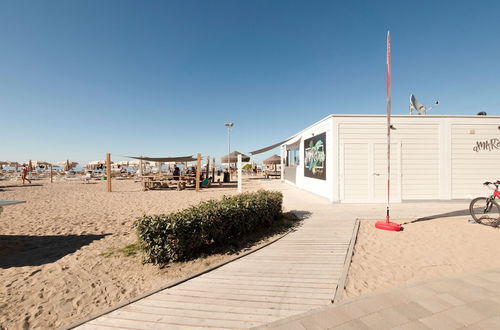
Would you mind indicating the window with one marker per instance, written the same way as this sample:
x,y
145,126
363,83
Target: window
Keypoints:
x,y
293,157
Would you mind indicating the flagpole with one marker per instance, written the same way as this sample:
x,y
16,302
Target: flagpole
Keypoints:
x,y
387,224
388,102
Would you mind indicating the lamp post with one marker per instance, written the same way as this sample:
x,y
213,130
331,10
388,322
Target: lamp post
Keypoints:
x,y
229,127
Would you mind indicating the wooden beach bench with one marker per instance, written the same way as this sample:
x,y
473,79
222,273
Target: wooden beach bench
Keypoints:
x,y
272,174
178,182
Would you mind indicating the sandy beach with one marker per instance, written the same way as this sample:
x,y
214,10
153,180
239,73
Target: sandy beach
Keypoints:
x,y
58,251
425,249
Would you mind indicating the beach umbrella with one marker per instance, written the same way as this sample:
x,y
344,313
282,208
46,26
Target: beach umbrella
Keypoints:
x,y
96,163
30,166
40,163
13,164
68,165
233,157
274,159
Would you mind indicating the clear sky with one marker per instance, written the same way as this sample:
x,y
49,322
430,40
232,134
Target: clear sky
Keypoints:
x,y
160,78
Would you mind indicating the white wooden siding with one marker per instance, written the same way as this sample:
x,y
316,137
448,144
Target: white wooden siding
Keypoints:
x,y
356,167
379,173
420,155
469,169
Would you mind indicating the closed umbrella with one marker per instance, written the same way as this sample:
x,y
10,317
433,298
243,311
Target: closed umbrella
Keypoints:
x,y
30,166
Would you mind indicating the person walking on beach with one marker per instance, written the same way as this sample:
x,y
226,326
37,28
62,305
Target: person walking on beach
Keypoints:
x,y
24,173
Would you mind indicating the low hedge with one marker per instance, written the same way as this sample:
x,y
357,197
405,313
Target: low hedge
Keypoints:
x,y
185,234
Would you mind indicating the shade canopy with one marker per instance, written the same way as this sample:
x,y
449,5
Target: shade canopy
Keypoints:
x,y
259,151
233,157
166,159
137,163
274,159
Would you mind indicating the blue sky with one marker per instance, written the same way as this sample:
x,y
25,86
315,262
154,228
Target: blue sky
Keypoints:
x,y
160,78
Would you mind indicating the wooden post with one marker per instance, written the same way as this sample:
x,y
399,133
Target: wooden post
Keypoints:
x,y
208,167
108,170
198,171
240,188
50,173
213,171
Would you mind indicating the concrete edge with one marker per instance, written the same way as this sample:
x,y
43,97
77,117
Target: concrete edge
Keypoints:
x,y
339,292
170,285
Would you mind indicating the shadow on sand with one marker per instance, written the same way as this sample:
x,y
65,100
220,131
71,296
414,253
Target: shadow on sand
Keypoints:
x,y
20,250
441,215
7,187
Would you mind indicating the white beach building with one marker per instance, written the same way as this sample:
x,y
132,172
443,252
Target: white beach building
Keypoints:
x,y
344,157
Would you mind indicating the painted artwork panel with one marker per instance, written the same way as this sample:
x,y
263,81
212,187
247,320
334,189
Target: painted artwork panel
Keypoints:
x,y
315,157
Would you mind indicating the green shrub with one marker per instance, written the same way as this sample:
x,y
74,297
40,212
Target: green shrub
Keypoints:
x,y
183,235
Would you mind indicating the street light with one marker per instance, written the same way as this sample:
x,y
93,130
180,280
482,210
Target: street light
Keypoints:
x,y
229,127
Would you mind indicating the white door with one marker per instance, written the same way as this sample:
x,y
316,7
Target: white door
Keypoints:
x,y
364,172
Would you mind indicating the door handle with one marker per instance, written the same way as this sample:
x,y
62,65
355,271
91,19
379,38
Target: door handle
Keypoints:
x,y
376,174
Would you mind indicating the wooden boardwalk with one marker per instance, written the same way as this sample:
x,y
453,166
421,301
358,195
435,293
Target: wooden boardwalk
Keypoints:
x,y
298,273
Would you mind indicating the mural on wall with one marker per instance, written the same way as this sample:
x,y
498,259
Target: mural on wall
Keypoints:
x,y
487,145
315,157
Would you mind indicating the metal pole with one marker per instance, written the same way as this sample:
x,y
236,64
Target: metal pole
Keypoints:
x,y
108,170
229,151
229,126
240,188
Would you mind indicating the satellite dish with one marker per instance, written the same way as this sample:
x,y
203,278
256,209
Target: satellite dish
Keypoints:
x,y
421,109
416,106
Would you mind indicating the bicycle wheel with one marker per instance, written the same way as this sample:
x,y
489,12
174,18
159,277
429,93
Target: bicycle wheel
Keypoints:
x,y
485,211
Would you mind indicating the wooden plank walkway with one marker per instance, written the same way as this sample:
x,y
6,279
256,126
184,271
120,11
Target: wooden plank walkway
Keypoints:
x,y
298,273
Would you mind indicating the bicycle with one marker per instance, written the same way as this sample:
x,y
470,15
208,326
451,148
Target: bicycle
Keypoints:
x,y
485,210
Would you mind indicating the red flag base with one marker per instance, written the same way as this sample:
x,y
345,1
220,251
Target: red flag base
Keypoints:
x,y
385,225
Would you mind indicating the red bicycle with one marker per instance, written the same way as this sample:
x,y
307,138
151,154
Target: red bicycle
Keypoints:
x,y
485,210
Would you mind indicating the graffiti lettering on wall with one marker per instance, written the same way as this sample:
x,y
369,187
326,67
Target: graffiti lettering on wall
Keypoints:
x,y
487,145
315,157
